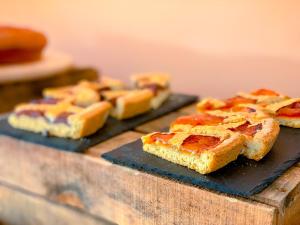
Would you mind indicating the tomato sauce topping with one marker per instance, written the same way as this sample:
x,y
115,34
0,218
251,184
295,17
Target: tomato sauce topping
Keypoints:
x,y
237,100
247,129
199,119
195,144
292,110
264,92
161,138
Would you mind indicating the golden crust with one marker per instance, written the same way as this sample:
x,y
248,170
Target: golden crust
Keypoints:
x,y
255,147
213,102
104,83
83,122
258,146
80,95
129,103
263,99
205,162
288,121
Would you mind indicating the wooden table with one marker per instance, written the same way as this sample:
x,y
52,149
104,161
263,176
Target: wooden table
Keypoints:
x,y
41,185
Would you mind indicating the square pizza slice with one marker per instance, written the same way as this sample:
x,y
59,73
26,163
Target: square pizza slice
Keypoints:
x,y
260,134
61,119
205,151
128,103
158,83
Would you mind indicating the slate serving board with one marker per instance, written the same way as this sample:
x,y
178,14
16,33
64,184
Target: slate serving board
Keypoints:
x,y
112,127
243,177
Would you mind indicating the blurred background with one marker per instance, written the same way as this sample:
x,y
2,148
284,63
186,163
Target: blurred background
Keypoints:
x,y
211,47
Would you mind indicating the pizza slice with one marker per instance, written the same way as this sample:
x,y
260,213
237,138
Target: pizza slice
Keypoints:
x,y
81,96
128,103
260,134
61,119
287,112
205,151
158,83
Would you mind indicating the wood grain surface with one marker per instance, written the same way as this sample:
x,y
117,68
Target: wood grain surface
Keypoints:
x,y
122,195
126,196
18,207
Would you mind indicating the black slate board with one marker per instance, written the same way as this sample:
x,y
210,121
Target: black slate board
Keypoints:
x,y
243,177
112,127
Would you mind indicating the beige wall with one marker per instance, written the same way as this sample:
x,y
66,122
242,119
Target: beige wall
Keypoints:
x,y
212,47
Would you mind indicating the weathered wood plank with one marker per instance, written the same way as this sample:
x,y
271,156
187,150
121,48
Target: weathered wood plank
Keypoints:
x,y
122,195
284,194
18,207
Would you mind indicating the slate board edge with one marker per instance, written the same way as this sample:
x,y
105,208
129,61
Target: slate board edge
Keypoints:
x,y
181,179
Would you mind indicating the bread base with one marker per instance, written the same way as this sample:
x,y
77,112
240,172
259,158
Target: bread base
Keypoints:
x,y
82,124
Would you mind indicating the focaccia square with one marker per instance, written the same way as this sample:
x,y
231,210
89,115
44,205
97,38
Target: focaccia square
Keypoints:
x,y
287,112
158,83
80,95
260,134
61,119
85,92
206,151
128,103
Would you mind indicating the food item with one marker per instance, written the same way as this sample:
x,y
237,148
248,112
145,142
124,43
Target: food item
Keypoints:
x,y
205,151
85,92
264,96
259,97
260,134
79,95
186,123
128,103
19,45
105,84
158,83
60,118
287,112
216,104
249,111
